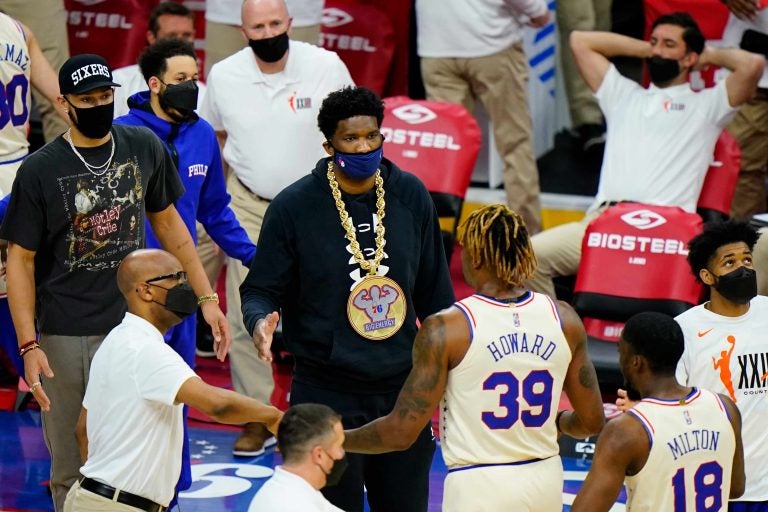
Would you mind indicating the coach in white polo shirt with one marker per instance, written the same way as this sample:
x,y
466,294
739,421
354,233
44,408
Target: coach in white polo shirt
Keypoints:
x,y
263,101
660,140
130,429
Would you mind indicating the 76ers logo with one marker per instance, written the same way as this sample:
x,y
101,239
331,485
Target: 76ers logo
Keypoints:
x,y
376,307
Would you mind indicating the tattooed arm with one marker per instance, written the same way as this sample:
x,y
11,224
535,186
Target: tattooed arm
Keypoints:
x,y
580,384
439,346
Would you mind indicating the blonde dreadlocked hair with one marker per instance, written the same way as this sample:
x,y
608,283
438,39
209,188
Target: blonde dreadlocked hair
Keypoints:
x,y
496,237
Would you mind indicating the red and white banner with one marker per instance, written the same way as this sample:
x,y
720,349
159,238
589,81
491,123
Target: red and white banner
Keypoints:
x,y
363,37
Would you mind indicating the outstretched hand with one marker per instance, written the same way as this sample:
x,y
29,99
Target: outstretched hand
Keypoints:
x,y
262,335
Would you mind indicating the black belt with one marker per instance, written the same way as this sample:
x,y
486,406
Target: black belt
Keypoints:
x,y
125,498
251,191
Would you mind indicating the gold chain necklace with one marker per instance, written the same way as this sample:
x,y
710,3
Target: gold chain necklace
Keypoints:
x,y
369,265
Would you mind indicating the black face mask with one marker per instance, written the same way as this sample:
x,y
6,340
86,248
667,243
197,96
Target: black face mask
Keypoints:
x,y
180,300
662,70
271,49
179,101
333,477
94,122
738,286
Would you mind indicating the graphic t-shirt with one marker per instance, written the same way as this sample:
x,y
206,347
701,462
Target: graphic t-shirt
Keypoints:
x,y
82,223
728,355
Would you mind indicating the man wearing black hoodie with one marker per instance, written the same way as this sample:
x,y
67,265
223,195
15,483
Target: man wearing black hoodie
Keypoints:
x,y
350,303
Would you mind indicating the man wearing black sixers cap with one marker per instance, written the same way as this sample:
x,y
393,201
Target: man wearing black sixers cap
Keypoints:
x,y
69,225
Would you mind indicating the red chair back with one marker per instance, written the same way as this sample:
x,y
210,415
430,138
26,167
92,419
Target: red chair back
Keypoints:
x,y
720,182
634,259
439,143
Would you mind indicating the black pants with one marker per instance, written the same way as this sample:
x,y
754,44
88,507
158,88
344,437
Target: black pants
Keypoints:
x,y
397,481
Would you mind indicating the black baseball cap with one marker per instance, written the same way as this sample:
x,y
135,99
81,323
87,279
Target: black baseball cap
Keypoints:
x,y
83,73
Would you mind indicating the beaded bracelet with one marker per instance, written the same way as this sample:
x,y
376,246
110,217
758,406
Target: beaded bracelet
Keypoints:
x,y
27,344
214,297
28,348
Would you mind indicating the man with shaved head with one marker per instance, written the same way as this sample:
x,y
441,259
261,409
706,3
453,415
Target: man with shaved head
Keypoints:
x,y
130,426
263,102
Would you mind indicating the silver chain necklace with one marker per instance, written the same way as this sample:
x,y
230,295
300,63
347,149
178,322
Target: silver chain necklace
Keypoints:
x,y
96,170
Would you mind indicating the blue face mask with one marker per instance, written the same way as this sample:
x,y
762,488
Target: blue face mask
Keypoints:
x,y
359,166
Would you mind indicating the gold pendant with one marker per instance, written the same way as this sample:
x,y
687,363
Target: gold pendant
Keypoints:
x,y
376,307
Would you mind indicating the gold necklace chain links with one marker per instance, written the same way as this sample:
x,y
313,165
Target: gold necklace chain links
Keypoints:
x,y
368,265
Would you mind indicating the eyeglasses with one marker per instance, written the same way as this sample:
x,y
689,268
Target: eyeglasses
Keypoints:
x,y
180,276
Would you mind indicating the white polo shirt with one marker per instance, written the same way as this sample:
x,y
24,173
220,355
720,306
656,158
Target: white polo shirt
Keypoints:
x,y
271,120
288,492
659,141
135,430
469,29
132,81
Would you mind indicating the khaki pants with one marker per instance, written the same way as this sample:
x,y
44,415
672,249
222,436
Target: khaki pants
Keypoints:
x,y
81,500
580,15
250,375
47,19
221,41
750,127
70,359
499,82
558,253
211,256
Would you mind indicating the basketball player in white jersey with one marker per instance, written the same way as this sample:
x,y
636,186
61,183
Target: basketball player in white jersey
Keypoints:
x,y
497,362
725,343
21,62
678,448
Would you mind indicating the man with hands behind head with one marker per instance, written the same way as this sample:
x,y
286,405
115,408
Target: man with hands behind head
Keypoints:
x,y
659,140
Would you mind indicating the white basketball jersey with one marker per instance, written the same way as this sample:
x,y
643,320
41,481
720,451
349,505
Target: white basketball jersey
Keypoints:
x,y
14,90
501,401
729,355
689,465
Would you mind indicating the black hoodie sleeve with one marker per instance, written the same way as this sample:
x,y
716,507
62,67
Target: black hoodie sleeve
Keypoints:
x,y
262,291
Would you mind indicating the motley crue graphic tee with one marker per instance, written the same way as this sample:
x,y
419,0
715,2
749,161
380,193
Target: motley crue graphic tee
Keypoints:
x,y
81,223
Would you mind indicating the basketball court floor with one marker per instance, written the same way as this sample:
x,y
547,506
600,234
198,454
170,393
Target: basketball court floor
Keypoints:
x,y
222,483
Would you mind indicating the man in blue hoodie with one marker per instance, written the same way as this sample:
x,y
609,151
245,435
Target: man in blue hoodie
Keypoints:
x,y
168,109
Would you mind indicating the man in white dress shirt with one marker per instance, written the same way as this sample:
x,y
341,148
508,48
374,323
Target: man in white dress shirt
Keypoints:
x,y
310,438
